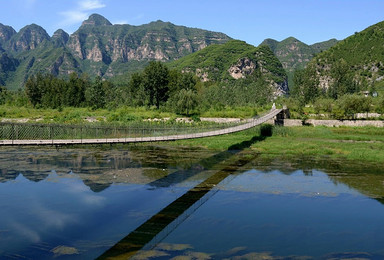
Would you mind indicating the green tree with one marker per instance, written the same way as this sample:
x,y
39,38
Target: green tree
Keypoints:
x,y
74,91
33,89
351,104
95,94
306,85
323,105
186,101
136,92
155,82
179,80
343,82
3,95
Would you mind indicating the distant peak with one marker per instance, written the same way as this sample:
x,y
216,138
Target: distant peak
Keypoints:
x,y
290,39
59,33
60,37
160,22
32,26
96,20
270,40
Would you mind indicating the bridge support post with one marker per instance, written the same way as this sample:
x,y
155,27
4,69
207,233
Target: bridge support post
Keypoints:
x,y
279,119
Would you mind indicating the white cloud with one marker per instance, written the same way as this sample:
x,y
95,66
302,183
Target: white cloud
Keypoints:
x,y
73,17
91,5
121,22
80,12
132,20
25,232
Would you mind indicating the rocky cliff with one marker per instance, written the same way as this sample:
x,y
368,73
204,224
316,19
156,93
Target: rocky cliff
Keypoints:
x,y
294,54
359,59
236,60
97,48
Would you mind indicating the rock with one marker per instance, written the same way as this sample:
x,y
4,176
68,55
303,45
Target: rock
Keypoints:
x,y
64,250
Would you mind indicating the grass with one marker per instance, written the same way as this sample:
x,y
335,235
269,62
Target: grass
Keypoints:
x,y
360,143
222,142
364,144
236,112
70,115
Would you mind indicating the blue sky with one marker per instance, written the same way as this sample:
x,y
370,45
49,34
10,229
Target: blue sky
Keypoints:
x,y
310,21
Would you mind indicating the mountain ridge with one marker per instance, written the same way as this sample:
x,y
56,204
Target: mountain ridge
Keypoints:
x,y
235,60
357,59
97,48
295,54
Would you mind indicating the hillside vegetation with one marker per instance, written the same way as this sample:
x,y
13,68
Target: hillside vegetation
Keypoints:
x,y
97,48
359,57
294,54
235,60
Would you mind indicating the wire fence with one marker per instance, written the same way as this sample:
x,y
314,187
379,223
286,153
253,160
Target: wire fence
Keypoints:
x,y
25,131
30,134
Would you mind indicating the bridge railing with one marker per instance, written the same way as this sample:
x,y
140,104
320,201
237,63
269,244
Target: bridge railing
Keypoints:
x,y
25,131
16,133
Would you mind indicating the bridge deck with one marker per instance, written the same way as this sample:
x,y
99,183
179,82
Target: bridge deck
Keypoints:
x,y
253,123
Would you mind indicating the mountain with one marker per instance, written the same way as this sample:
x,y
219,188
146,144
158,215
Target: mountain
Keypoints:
x,y
109,50
97,48
360,56
235,60
323,46
294,54
60,38
6,33
28,38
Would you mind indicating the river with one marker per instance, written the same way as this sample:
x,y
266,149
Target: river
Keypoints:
x,y
159,202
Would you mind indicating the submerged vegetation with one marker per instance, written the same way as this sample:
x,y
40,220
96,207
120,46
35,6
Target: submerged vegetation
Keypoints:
x,y
365,144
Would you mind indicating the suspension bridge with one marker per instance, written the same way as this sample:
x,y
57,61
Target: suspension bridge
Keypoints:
x,y
13,134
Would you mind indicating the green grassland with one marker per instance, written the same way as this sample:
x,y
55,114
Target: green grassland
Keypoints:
x,y
122,115
363,144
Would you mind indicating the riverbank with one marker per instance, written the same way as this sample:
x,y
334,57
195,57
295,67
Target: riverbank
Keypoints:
x,y
364,144
122,115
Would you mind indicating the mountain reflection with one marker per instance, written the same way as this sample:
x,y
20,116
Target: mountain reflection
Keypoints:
x,y
163,167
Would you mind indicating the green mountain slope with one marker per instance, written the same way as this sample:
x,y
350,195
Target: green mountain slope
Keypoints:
x,y
294,54
96,48
361,56
235,60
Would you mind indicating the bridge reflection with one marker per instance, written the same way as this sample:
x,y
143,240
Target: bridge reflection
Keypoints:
x,y
165,221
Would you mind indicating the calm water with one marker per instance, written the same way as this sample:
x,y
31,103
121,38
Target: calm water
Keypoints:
x,y
185,204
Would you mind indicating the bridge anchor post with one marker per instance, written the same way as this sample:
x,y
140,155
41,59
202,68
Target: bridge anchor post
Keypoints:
x,y
279,119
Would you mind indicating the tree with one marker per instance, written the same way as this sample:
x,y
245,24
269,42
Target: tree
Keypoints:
x,y
74,92
33,89
95,94
306,85
323,105
136,91
3,95
343,80
155,82
179,80
186,101
350,104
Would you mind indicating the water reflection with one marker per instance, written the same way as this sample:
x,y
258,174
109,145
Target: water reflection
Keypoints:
x,y
75,204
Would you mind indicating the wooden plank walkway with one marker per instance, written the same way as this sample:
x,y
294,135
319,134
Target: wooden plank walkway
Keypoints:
x,y
250,124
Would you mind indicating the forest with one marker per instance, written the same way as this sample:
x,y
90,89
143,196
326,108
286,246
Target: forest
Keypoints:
x,y
156,87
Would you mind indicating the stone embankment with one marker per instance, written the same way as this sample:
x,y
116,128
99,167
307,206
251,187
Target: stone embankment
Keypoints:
x,y
333,123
